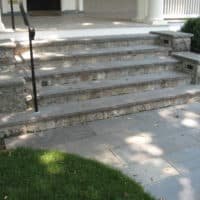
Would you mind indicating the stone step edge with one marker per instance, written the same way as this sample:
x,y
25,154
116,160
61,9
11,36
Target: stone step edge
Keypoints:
x,y
54,91
142,49
11,80
106,67
87,40
62,111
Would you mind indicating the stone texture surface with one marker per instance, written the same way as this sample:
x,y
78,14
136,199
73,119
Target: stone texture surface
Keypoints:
x,y
102,88
6,56
73,113
92,56
178,41
12,94
18,51
47,76
173,34
71,44
190,63
160,148
7,49
177,44
189,56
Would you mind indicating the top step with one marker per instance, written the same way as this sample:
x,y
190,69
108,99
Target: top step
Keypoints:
x,y
85,43
89,40
10,49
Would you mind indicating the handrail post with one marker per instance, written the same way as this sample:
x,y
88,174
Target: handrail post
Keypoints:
x,y
31,32
12,15
31,37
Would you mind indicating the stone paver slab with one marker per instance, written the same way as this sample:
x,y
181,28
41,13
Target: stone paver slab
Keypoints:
x,y
175,188
148,170
185,160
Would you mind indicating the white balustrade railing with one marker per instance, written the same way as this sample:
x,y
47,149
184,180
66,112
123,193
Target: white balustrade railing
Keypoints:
x,y
181,8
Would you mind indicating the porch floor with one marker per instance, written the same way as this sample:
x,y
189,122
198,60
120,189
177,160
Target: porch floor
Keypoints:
x,y
75,25
70,21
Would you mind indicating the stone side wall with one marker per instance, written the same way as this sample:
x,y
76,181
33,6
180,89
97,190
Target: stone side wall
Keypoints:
x,y
6,56
12,95
190,63
177,44
196,74
178,41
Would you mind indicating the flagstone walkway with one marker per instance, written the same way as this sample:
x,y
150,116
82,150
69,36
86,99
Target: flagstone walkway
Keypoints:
x,y
160,149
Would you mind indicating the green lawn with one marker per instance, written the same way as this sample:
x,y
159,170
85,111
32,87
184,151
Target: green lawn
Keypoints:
x,y
45,175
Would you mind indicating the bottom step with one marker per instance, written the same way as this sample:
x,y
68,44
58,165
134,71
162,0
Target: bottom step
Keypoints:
x,y
61,115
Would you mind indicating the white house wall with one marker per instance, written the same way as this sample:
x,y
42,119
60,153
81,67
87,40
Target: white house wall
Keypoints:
x,y
66,5
117,9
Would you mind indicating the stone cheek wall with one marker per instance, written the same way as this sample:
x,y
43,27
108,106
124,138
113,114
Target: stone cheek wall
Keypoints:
x,y
12,96
178,41
180,44
6,56
177,44
7,51
192,67
196,74
190,63
12,87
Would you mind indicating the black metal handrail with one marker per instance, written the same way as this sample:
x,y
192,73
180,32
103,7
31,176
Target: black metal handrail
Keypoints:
x,y
31,32
12,15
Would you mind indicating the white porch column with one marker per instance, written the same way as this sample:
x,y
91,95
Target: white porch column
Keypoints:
x,y
155,12
81,5
2,27
142,6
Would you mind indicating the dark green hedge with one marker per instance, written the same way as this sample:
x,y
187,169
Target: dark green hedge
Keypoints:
x,y
193,26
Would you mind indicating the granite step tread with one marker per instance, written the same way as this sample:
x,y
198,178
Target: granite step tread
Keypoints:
x,y
11,79
86,40
188,56
66,110
92,86
45,56
52,71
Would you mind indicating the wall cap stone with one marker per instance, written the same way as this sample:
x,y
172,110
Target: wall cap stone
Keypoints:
x,y
173,34
190,56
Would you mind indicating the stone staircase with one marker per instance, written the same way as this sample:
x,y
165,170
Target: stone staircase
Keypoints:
x,y
85,79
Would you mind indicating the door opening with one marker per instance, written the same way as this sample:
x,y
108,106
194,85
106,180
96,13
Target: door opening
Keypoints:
x,y
44,7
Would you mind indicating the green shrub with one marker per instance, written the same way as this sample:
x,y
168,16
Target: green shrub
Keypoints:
x,y
193,26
